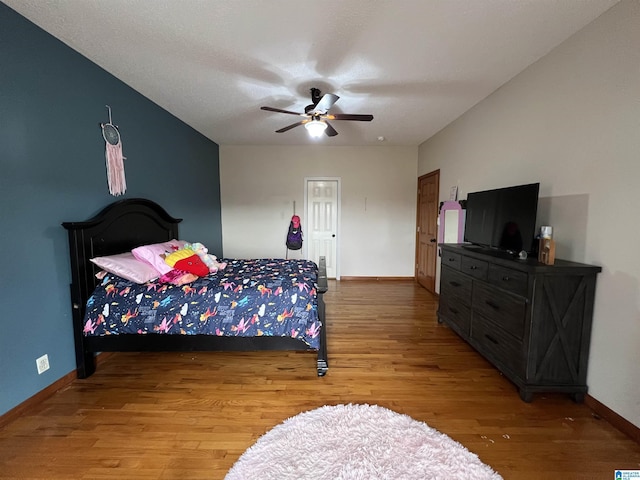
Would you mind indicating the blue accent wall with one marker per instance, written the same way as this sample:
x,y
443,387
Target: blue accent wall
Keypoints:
x,y
52,170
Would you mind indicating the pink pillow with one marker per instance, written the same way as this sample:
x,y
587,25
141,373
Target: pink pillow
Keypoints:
x,y
154,254
125,265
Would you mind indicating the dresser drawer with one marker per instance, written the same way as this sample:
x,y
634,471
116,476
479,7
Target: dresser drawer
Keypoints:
x,y
504,309
456,314
455,286
451,260
509,279
476,268
498,345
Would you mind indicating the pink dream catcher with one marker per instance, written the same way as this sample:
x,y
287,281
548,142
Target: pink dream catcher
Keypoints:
x,y
114,158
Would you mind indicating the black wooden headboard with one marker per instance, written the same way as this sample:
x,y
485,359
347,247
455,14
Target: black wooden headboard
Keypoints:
x,y
118,228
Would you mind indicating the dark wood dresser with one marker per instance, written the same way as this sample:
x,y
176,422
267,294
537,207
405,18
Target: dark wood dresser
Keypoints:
x,y
531,321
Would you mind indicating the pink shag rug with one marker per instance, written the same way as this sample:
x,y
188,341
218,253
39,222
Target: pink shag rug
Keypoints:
x,y
350,442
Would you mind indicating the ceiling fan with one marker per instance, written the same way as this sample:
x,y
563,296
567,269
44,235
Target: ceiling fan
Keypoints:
x,y
317,113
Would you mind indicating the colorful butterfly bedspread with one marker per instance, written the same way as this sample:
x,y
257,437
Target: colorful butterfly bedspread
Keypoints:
x,y
263,297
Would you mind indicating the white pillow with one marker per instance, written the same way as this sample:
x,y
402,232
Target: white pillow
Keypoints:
x,y
125,265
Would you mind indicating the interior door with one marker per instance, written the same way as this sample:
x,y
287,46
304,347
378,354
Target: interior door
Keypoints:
x,y
322,198
427,230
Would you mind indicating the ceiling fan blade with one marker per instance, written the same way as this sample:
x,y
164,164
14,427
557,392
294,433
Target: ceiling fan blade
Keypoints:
x,y
289,127
330,131
279,110
347,116
326,102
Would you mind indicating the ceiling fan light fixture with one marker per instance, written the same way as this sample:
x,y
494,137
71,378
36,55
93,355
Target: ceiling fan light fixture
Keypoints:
x,y
315,128
316,114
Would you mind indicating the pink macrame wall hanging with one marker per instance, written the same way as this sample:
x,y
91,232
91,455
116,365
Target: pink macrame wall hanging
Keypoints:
x,y
113,157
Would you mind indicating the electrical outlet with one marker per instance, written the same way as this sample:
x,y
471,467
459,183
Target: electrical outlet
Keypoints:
x,y
42,363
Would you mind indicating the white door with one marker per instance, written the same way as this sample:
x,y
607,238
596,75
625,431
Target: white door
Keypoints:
x,y
322,197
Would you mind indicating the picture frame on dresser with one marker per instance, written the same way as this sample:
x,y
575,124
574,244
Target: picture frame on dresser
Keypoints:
x,y
451,219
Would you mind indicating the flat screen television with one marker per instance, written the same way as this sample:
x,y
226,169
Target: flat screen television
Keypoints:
x,y
503,218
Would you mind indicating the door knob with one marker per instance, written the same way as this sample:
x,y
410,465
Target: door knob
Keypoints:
x,y
333,235
433,240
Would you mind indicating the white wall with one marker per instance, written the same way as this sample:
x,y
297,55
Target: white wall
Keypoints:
x,y
259,184
572,122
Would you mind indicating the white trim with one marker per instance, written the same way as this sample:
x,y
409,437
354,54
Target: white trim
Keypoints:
x,y
306,186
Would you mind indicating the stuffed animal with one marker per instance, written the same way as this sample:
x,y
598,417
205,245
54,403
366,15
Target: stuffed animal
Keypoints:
x,y
187,260
211,261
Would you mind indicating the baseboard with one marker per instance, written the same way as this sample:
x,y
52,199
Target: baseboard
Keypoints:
x,y
38,398
32,402
620,423
378,279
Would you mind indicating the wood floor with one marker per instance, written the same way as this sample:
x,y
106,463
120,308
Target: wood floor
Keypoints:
x,y
190,416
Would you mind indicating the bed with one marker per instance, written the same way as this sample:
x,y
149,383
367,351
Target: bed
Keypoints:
x,y
126,224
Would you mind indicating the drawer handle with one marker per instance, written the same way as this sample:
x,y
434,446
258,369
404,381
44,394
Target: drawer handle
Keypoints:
x,y
506,278
454,284
473,267
492,305
453,310
451,259
491,339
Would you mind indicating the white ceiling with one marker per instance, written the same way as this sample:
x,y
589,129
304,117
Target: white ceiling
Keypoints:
x,y
416,65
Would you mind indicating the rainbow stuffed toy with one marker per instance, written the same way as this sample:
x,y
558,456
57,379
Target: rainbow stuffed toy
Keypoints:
x,y
187,260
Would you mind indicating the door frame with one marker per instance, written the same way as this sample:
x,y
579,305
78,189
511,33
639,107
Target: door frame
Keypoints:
x,y
338,215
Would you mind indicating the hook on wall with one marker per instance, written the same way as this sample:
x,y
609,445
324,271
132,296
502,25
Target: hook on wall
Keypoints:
x,y
110,120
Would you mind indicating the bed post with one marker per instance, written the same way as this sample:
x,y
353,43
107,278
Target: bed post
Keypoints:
x,y
79,287
323,363
85,361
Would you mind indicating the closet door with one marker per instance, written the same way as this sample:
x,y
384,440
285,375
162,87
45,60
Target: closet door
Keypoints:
x,y
321,233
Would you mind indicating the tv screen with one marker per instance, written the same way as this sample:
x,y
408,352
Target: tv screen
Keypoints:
x,y
504,218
